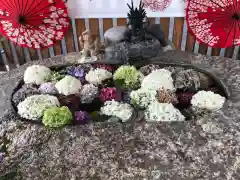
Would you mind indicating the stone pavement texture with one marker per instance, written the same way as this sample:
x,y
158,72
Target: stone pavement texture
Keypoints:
x,y
206,148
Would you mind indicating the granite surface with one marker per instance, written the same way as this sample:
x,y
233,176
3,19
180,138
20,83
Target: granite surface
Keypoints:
x,y
206,148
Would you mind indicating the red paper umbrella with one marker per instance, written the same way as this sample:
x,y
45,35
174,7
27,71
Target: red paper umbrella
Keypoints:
x,y
214,22
157,5
33,23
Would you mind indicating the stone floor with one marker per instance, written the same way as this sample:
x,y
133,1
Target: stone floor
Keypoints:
x,y
206,148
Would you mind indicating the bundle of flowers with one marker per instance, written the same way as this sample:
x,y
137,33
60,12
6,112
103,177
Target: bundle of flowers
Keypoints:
x,y
143,97
207,100
108,94
163,112
97,76
56,117
160,78
128,77
34,106
121,110
68,85
36,74
88,93
48,88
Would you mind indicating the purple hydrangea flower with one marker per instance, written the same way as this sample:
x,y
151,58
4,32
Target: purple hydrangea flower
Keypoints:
x,y
76,72
82,117
48,88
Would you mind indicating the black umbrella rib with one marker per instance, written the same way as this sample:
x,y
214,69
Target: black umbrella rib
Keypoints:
x,y
20,9
33,7
229,32
24,9
29,7
238,25
234,33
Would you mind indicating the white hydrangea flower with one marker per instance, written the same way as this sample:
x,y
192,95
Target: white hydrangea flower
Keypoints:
x,y
207,100
36,74
97,76
34,106
163,112
121,110
143,97
68,85
160,78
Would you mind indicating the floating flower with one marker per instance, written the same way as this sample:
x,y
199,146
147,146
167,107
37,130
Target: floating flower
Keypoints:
x,y
158,79
71,101
25,91
143,97
121,110
68,85
146,70
166,96
54,76
104,66
82,117
97,76
163,112
77,72
185,98
88,93
187,79
207,100
48,88
36,74
128,77
56,117
108,94
34,106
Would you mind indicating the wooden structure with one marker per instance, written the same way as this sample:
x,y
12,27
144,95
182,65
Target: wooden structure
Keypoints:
x,y
175,30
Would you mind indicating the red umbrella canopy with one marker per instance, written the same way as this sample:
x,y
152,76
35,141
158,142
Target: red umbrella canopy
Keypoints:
x,y
33,23
214,22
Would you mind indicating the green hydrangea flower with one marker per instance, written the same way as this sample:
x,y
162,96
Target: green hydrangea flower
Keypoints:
x,y
54,76
57,117
128,77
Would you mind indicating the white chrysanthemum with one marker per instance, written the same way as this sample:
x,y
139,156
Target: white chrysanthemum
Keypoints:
x,y
34,106
36,74
207,100
160,78
121,110
68,85
163,112
97,76
143,97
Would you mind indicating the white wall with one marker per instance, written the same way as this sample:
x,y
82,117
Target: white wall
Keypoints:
x,y
117,9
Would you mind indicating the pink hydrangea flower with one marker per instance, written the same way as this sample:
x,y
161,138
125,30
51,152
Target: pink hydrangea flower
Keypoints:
x,y
108,94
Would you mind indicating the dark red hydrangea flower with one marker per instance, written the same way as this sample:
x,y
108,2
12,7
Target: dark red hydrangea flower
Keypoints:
x,y
184,98
108,94
81,117
104,66
71,101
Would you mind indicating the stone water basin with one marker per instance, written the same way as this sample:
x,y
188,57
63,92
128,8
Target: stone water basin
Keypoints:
x,y
202,148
